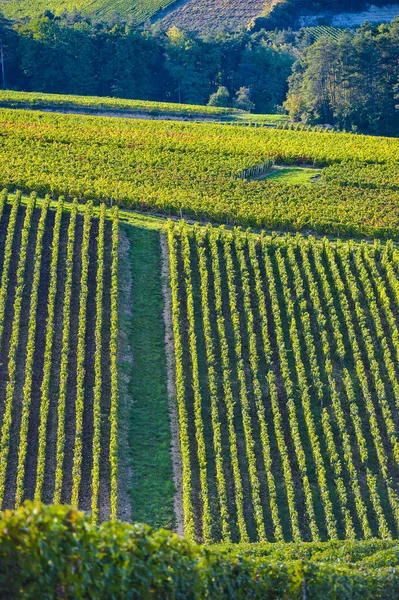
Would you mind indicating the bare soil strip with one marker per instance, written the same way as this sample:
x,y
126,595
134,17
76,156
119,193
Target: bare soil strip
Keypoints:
x,y
34,418
85,485
104,506
174,422
51,441
71,387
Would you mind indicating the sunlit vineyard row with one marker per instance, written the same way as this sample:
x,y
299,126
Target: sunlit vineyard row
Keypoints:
x,y
191,169
13,99
287,361
58,382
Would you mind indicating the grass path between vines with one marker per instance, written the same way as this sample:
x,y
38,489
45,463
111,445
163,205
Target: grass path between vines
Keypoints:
x,y
144,402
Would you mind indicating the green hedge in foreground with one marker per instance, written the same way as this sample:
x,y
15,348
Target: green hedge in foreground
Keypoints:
x,y
55,552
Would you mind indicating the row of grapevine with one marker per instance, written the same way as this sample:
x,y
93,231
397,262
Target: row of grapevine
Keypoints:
x,y
46,407
13,346
30,355
298,350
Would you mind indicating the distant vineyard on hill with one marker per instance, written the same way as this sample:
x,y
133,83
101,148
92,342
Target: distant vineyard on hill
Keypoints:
x,y
287,353
206,15
323,31
237,12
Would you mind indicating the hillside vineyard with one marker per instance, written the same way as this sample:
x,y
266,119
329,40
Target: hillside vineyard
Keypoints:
x,y
287,354
193,170
58,380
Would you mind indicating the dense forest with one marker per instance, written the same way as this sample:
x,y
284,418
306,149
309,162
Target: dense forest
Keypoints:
x,y
351,82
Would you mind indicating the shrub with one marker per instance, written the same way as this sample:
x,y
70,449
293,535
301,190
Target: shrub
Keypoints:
x,y
56,552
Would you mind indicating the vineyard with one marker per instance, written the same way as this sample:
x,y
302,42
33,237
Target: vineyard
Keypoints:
x,y
58,355
210,16
13,99
159,364
287,354
136,12
192,169
323,31
237,12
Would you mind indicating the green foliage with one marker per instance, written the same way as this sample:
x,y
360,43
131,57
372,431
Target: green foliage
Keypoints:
x,y
282,323
43,549
242,99
120,61
220,98
12,99
330,66
196,168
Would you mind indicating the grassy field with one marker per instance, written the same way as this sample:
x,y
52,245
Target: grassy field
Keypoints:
x,y
143,379
294,175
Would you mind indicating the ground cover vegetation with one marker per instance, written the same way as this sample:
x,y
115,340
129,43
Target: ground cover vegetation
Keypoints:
x,y
194,170
287,356
59,400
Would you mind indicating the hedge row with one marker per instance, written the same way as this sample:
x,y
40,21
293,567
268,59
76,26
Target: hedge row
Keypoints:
x,y
56,552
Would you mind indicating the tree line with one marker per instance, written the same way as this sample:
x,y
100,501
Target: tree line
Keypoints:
x,y
351,83
73,55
